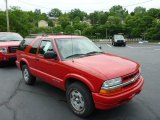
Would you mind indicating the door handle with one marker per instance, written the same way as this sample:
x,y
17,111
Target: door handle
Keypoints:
x,y
37,59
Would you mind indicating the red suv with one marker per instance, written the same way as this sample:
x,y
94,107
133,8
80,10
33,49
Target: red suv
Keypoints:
x,y
91,78
9,43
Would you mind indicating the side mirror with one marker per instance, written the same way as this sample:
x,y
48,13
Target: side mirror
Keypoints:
x,y
100,47
50,55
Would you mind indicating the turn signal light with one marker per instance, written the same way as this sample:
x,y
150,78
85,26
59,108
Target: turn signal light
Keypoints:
x,y
110,92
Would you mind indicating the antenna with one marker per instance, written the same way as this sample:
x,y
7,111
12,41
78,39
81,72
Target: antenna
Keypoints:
x,y
72,47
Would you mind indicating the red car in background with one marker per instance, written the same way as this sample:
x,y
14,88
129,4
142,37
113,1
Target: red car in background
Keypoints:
x,y
9,43
91,78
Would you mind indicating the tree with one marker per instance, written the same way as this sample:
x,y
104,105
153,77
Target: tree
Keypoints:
x,y
153,12
77,13
37,11
3,21
69,29
64,20
139,10
118,11
55,12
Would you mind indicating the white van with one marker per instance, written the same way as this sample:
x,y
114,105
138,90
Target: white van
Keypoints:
x,y
118,40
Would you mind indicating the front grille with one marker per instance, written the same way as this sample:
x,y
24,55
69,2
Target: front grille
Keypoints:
x,y
130,76
13,49
120,41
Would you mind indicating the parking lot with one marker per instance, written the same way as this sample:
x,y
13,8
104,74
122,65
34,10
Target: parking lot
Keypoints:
x,y
45,102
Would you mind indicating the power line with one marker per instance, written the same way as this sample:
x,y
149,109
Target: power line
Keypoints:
x,y
39,6
138,3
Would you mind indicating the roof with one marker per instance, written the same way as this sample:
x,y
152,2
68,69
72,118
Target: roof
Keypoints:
x,y
64,36
53,36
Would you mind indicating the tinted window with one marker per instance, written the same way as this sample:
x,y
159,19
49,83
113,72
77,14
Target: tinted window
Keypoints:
x,y
45,46
24,44
33,50
10,37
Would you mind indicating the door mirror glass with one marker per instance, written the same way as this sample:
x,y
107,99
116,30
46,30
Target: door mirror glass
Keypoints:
x,y
50,55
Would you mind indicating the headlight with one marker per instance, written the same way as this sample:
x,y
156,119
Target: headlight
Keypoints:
x,y
3,50
107,87
112,82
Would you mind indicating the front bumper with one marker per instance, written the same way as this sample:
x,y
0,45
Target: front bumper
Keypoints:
x,y
7,57
107,102
120,42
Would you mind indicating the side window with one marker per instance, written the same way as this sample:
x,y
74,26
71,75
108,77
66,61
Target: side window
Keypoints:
x,y
33,50
45,46
24,43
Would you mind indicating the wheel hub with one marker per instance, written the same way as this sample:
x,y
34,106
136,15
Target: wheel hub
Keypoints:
x,y
26,75
77,101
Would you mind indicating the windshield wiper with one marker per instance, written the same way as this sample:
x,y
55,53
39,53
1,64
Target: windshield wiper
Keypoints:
x,y
94,52
14,40
3,40
75,55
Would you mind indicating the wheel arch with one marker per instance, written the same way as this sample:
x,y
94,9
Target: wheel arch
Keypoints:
x,y
22,62
71,78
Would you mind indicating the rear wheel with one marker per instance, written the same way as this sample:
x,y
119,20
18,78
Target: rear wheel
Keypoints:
x,y
27,76
80,99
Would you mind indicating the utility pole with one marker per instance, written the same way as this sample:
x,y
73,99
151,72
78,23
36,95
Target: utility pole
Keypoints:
x,y
106,33
7,17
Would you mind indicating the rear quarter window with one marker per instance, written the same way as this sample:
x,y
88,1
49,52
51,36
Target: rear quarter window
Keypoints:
x,y
24,43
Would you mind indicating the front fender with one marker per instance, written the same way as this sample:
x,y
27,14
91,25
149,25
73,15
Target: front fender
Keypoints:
x,y
79,78
24,60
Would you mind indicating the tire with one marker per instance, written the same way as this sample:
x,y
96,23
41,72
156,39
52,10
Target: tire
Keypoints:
x,y
114,44
124,44
27,76
80,99
1,64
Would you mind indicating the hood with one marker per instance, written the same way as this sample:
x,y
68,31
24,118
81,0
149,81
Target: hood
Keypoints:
x,y
8,44
106,66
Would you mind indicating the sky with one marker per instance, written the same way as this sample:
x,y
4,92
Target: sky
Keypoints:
x,y
84,5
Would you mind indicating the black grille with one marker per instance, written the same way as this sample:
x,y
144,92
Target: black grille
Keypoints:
x,y
13,49
120,41
129,77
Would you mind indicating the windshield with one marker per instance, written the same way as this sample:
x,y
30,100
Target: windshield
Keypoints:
x,y
10,37
76,47
119,37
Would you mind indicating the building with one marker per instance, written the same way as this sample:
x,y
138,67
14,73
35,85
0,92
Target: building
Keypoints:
x,y
42,24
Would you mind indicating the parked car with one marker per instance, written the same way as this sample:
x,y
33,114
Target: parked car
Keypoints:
x,y
9,43
118,40
92,79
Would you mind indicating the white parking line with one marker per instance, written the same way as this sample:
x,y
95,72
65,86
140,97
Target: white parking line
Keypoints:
x,y
129,46
142,47
109,45
156,49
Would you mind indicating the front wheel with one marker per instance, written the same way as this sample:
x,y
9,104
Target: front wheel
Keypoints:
x,y
80,99
1,65
114,44
27,76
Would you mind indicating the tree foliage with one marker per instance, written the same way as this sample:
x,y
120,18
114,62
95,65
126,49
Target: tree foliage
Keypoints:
x,y
55,12
138,23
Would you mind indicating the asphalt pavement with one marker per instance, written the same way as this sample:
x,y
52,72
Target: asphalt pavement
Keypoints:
x,y
45,102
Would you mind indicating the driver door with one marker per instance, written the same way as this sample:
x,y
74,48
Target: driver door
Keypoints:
x,y
48,68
